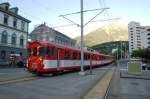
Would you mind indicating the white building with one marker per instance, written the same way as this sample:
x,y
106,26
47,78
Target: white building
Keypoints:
x,y
13,32
139,36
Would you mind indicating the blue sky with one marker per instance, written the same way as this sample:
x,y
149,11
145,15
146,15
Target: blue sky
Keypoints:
x,y
40,11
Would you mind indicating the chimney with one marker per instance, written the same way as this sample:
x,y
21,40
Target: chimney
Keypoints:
x,y
5,5
14,10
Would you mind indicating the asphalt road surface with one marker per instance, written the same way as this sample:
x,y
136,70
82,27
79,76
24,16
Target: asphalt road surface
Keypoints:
x,y
65,86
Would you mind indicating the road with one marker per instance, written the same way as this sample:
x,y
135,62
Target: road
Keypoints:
x,y
65,86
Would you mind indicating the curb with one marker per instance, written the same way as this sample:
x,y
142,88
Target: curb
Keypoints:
x,y
100,89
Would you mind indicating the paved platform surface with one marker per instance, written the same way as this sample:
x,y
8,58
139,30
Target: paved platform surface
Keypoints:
x,y
66,86
129,86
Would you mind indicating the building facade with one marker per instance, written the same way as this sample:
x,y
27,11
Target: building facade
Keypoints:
x,y
139,36
43,33
13,33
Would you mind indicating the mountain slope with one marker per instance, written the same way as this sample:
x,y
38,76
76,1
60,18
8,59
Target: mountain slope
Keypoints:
x,y
111,32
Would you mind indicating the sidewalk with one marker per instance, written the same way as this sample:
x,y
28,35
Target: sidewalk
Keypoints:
x,y
125,86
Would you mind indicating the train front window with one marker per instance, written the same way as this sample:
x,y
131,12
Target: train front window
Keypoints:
x,y
34,51
44,51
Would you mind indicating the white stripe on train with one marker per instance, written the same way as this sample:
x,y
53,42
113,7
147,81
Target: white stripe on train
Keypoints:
x,y
68,63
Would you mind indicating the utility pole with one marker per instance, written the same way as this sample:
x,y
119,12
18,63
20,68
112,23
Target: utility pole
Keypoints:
x,y
121,51
82,29
82,62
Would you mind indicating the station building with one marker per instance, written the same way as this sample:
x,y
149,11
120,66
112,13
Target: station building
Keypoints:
x,y
43,33
13,33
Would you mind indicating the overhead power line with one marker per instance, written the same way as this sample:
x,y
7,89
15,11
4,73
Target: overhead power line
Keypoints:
x,y
83,11
64,16
91,22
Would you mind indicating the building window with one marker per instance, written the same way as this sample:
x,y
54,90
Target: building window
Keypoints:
x,y
6,7
6,19
13,39
148,29
131,28
148,34
15,23
22,25
4,37
21,40
3,54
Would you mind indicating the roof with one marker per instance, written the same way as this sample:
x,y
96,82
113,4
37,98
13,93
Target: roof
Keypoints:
x,y
43,28
13,14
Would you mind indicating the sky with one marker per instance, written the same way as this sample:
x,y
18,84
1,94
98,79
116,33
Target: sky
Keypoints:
x,y
49,11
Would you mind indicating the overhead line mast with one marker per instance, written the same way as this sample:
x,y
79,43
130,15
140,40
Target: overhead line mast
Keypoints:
x,y
82,29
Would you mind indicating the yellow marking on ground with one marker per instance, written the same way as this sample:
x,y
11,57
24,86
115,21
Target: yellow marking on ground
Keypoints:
x,y
18,80
99,90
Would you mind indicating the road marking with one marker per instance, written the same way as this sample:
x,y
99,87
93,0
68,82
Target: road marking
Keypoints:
x,y
18,80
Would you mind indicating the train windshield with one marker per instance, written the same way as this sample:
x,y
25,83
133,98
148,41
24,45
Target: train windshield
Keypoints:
x,y
35,51
44,51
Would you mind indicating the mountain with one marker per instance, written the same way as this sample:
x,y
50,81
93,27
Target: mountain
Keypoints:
x,y
107,33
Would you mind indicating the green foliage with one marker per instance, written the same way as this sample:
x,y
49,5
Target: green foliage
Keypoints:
x,y
143,53
121,48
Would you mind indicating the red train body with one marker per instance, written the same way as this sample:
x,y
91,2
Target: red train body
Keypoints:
x,y
48,58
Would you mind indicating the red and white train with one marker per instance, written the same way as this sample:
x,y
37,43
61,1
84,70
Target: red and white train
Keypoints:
x,y
48,58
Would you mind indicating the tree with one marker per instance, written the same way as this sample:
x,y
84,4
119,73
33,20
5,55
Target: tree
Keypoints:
x,y
143,53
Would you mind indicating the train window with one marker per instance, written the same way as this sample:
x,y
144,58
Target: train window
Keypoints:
x,y
79,55
47,51
41,51
34,51
85,56
29,51
67,55
88,56
52,51
75,55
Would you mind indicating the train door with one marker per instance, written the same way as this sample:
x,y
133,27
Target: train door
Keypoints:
x,y
58,57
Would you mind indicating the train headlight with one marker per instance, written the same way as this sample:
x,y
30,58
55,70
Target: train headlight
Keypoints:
x,y
34,66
